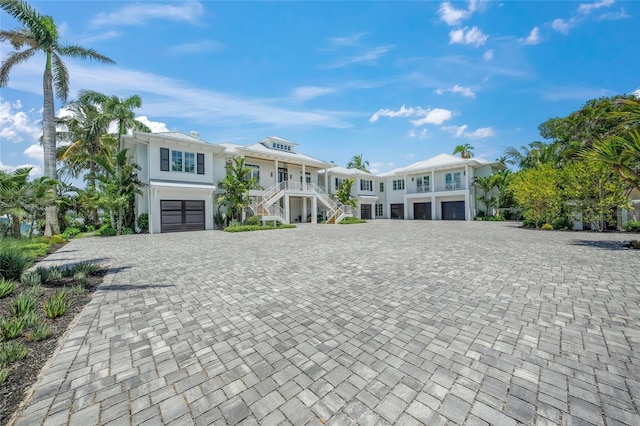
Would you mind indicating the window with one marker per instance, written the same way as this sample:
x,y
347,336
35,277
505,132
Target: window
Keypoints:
x,y
189,162
176,161
423,183
255,171
453,180
381,186
366,185
379,211
398,184
339,182
307,176
200,164
281,146
164,159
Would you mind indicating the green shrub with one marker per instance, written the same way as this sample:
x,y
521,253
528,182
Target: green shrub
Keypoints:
x,y
71,232
127,231
12,263
23,304
77,289
106,231
350,220
494,218
12,352
4,373
56,304
143,222
562,223
90,228
31,279
43,272
528,223
11,328
253,220
40,332
246,228
6,287
479,218
632,226
285,225
31,319
35,249
36,291
234,223
547,227
57,239
80,277
55,273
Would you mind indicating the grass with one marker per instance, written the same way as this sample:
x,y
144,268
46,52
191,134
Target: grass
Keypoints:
x,y
33,247
351,220
249,228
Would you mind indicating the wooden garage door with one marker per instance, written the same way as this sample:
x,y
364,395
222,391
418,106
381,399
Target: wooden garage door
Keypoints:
x,y
453,210
365,211
422,211
181,215
397,211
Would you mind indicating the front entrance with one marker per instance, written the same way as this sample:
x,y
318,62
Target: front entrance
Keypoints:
x,y
453,210
365,211
283,174
397,211
181,215
422,211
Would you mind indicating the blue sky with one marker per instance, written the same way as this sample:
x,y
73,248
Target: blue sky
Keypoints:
x,y
396,81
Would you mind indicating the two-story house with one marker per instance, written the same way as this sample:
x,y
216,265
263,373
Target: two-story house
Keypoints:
x,y
364,188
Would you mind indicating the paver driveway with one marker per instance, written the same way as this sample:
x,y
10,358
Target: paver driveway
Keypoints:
x,y
385,322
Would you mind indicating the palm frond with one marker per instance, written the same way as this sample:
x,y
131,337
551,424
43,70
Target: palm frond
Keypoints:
x,y
18,38
12,59
83,53
60,77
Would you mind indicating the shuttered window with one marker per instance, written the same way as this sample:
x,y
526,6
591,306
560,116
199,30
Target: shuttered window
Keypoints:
x,y
200,164
164,159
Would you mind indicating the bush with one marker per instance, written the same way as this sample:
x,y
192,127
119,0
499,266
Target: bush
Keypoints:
x,y
56,304
350,220
143,222
6,287
632,226
547,227
562,223
234,223
23,304
528,223
12,352
127,231
43,272
253,220
56,239
70,232
11,328
246,228
12,263
106,231
494,218
35,249
89,228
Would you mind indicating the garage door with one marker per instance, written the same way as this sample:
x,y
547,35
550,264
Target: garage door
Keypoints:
x,y
365,211
453,210
422,211
397,211
181,215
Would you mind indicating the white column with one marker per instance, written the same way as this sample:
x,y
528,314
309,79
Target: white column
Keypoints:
x,y
287,213
275,173
467,210
433,182
326,181
406,211
303,219
314,210
151,201
304,178
433,207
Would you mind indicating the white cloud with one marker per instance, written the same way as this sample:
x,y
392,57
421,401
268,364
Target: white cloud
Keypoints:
x,y
562,26
423,134
36,171
351,40
17,126
533,37
155,126
612,16
402,112
586,8
35,152
368,57
435,116
305,93
461,131
464,91
412,133
488,55
636,93
473,36
139,14
197,47
453,16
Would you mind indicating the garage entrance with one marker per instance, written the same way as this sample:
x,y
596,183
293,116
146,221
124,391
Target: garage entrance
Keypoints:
x,y
453,210
365,211
181,215
422,211
397,211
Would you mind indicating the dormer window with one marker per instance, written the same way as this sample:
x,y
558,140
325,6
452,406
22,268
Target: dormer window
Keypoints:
x,y
281,146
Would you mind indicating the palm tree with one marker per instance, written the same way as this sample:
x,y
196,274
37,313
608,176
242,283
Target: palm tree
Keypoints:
x,y
40,34
621,153
486,184
357,163
236,186
465,150
535,154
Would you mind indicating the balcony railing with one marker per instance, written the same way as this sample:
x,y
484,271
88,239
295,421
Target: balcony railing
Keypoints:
x,y
438,187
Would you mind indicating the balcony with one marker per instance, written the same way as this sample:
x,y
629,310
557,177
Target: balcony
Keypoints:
x,y
438,187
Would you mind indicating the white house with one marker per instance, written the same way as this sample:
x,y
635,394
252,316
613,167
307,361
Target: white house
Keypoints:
x,y
364,189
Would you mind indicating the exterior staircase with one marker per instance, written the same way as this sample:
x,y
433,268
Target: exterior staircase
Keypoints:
x,y
265,204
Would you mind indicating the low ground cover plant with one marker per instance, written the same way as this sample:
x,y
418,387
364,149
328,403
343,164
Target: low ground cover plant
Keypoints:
x,y
248,228
632,226
350,220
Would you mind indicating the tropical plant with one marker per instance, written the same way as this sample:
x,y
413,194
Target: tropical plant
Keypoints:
x,y
235,189
537,192
343,193
465,150
533,155
12,263
487,184
6,287
24,303
56,304
11,328
143,222
31,279
40,331
40,34
11,352
357,162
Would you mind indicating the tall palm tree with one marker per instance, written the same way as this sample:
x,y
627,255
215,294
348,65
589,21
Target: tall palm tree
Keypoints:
x,y
40,34
465,151
357,162
236,186
621,153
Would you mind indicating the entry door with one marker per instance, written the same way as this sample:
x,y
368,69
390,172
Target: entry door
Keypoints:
x,y
397,211
453,210
181,215
422,211
283,174
365,211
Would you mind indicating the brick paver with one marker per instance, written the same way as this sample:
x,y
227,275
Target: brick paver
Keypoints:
x,y
386,322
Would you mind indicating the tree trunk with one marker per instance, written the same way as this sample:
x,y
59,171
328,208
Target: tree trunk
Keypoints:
x,y
15,225
49,147
119,226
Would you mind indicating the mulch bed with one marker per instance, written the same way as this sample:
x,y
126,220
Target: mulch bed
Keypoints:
x,y
24,373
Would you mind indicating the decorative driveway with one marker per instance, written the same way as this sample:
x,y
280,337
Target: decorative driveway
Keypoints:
x,y
396,322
